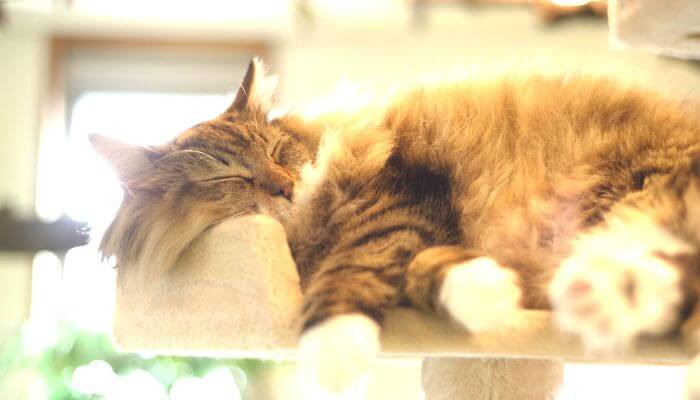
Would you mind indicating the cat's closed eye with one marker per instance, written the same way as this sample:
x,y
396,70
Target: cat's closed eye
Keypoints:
x,y
228,177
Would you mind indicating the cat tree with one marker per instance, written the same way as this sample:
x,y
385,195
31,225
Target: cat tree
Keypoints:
x,y
235,293
669,27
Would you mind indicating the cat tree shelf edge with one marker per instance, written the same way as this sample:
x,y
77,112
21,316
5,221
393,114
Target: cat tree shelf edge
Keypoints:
x,y
235,293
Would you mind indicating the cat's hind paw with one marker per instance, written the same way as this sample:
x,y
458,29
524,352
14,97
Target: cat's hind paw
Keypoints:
x,y
480,294
337,355
617,286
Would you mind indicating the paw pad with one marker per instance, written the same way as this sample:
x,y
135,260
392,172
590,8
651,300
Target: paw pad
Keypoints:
x,y
611,291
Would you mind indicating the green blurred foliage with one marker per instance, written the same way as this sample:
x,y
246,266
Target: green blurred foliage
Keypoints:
x,y
73,348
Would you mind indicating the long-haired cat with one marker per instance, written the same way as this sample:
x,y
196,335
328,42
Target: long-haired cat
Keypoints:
x,y
472,200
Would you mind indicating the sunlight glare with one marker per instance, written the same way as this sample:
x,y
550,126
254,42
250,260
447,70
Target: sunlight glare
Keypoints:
x,y
137,384
74,180
94,378
570,3
216,384
639,382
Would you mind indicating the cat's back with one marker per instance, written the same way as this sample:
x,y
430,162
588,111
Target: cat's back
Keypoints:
x,y
517,150
535,126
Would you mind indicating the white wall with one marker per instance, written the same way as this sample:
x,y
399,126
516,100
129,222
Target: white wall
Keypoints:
x,y
456,42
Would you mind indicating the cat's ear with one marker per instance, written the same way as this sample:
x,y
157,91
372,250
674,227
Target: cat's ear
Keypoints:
x,y
129,161
256,90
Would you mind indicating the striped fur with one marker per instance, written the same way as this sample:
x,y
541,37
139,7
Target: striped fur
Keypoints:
x,y
513,169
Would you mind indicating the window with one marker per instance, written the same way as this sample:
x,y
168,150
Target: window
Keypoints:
x,y
138,96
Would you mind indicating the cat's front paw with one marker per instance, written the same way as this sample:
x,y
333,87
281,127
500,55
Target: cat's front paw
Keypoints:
x,y
617,285
480,294
337,354
692,380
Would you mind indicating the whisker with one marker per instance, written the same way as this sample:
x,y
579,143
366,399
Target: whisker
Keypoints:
x,y
231,216
242,212
179,152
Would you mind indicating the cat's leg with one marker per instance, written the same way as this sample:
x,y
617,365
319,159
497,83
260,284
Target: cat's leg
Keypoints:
x,y
623,280
633,273
471,288
638,272
344,303
348,296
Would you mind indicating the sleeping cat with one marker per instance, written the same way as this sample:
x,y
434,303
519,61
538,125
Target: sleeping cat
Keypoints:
x,y
470,200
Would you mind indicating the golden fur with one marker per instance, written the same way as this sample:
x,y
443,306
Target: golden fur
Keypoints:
x,y
513,169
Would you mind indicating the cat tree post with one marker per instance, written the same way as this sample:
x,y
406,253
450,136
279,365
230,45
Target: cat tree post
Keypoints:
x,y
491,379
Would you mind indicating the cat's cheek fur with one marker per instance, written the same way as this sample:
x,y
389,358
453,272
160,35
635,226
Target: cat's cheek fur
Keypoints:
x,y
614,287
314,175
480,294
338,353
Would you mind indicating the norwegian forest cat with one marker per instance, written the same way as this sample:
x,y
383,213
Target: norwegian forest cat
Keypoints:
x,y
471,200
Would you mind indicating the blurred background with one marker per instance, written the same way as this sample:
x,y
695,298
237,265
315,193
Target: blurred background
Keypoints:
x,y
144,70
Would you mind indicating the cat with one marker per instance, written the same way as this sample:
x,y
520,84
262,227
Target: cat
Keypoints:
x,y
471,199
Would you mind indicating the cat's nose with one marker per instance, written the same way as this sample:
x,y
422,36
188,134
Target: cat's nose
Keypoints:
x,y
277,181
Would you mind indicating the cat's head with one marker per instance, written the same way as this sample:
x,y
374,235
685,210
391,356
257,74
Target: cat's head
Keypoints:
x,y
237,163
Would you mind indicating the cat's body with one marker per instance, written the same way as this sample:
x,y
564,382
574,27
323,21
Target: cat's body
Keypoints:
x,y
513,170
469,199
